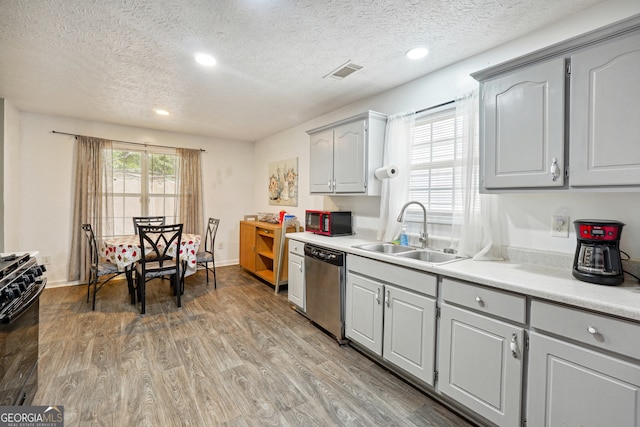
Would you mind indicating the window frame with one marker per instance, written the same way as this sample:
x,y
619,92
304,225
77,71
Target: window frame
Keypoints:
x,y
146,195
440,222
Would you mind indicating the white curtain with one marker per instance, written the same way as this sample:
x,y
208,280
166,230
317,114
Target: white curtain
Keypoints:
x,y
395,191
475,226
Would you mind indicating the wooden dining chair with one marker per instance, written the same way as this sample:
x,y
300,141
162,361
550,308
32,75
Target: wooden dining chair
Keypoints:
x,y
97,269
206,256
147,220
160,252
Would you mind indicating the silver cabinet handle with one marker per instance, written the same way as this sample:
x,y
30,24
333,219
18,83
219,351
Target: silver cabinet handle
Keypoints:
x,y
479,300
555,169
387,298
329,184
334,184
592,330
514,346
378,296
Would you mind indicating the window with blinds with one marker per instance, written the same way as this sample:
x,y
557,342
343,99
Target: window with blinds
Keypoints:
x,y
435,161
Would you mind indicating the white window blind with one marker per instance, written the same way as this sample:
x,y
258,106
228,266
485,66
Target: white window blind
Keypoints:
x,y
435,161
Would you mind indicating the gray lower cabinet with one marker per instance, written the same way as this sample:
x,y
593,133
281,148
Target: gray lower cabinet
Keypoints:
x,y
390,317
296,290
480,357
583,369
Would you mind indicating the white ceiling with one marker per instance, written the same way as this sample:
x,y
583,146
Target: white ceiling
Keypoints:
x,y
114,61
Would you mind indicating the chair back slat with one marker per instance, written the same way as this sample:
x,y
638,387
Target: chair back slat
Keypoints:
x,y
91,242
210,236
159,240
147,220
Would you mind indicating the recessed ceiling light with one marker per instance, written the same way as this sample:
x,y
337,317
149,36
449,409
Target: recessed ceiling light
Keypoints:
x,y
417,53
205,59
161,112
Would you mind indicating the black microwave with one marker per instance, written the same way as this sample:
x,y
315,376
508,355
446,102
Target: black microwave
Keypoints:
x,y
328,223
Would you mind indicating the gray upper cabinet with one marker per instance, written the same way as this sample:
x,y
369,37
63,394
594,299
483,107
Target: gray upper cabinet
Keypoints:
x,y
343,156
523,124
605,114
565,116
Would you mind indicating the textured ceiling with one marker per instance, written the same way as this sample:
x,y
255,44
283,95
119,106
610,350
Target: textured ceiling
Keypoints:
x,y
114,61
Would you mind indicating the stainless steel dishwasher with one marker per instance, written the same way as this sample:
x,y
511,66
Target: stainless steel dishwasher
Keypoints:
x,y
325,287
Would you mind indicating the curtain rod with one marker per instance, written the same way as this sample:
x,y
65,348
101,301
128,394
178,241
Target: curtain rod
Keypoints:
x,y
124,142
435,106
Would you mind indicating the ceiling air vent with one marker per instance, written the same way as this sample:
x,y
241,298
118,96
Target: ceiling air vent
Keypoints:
x,y
344,70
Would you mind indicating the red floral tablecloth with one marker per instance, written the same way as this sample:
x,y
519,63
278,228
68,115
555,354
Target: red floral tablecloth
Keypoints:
x,y
125,250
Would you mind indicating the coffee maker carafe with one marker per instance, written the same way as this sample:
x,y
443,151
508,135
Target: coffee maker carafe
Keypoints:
x,y
597,258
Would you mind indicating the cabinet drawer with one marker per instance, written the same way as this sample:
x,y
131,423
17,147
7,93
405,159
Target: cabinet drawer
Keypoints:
x,y
296,247
414,280
616,335
497,303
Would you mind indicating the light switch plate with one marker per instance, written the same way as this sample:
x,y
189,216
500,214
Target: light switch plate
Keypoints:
x,y
560,226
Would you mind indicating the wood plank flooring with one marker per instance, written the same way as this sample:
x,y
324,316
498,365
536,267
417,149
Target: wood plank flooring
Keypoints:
x,y
233,356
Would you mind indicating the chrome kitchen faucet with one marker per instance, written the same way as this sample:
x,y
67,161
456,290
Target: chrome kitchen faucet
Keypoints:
x,y
423,235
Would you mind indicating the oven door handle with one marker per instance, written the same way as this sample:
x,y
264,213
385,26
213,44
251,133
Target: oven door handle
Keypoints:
x,y
10,318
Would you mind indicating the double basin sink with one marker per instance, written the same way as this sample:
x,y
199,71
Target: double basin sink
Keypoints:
x,y
425,255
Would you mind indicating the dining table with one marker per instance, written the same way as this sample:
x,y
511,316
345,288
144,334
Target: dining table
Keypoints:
x,y
124,252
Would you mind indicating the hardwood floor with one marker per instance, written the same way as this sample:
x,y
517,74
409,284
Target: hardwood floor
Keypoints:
x,y
233,356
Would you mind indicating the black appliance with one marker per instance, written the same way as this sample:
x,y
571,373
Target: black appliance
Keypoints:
x,y
328,223
597,258
21,283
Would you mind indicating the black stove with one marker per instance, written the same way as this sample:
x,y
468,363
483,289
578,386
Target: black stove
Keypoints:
x,y
21,283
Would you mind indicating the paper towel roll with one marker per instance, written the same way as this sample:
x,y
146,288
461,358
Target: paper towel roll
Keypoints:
x,y
387,172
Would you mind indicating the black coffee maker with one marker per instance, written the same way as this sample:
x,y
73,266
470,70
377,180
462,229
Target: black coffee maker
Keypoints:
x,y
597,257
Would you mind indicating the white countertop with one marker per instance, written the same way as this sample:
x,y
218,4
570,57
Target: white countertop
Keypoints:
x,y
553,284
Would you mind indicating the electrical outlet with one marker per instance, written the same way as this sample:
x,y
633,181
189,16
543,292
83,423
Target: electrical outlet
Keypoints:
x,y
46,259
220,246
560,226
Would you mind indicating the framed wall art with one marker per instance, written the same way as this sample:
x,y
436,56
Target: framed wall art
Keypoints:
x,y
283,182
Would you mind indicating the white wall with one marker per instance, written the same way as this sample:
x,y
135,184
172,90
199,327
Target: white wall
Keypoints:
x,y
526,217
10,150
39,184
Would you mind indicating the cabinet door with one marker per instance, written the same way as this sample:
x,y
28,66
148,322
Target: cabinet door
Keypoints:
x,y
477,366
248,246
574,386
349,157
363,312
410,332
296,290
523,127
604,118
321,162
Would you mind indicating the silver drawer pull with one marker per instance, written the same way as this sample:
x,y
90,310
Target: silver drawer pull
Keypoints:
x,y
378,296
387,298
514,346
592,330
480,301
